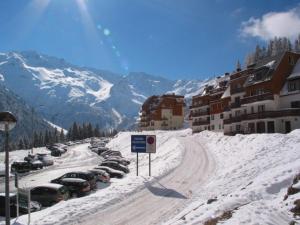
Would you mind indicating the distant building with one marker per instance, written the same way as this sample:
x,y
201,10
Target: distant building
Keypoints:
x,y
164,112
263,98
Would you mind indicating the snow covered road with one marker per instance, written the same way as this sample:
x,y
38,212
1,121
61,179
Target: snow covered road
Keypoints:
x,y
163,197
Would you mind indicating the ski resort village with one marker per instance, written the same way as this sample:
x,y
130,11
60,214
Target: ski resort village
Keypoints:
x,y
214,139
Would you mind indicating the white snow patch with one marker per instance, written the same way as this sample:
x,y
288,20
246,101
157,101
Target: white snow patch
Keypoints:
x,y
1,77
57,127
135,93
118,115
137,101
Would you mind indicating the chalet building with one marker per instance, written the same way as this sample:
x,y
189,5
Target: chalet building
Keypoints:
x,y
261,97
164,112
206,111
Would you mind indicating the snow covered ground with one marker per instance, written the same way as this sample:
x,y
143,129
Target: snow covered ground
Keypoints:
x,y
197,178
169,154
250,182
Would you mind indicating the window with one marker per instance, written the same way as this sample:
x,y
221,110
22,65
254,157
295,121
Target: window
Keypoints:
x,y
212,127
261,108
212,117
219,126
245,111
291,60
237,113
238,127
221,116
252,109
292,86
295,104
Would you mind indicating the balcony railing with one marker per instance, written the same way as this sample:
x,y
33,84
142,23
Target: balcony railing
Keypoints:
x,y
264,115
199,123
198,105
196,114
257,98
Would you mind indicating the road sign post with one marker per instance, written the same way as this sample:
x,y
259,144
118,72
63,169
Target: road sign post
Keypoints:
x,y
143,144
137,163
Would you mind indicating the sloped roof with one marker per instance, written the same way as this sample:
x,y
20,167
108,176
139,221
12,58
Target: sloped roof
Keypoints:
x,y
296,71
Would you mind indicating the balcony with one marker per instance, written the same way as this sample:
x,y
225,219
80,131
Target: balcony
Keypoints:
x,y
264,115
199,123
257,98
237,90
197,114
198,105
235,105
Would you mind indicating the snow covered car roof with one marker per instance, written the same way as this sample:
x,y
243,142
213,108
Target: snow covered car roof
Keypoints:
x,y
50,185
75,180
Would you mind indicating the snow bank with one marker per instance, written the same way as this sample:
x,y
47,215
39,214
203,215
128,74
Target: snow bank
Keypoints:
x,y
253,174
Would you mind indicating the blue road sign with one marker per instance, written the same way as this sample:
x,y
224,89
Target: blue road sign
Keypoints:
x,y
143,143
138,143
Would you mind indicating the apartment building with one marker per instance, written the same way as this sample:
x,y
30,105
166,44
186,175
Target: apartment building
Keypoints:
x,y
164,112
206,111
263,98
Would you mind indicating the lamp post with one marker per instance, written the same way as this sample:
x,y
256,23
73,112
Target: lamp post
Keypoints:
x,y
7,122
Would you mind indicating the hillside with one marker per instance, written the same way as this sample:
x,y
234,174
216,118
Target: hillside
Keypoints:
x,y
70,93
13,103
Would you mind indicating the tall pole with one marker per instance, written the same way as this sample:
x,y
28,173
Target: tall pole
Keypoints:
x,y
137,163
149,164
7,200
32,138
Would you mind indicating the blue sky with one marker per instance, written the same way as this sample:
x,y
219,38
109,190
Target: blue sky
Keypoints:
x,y
177,39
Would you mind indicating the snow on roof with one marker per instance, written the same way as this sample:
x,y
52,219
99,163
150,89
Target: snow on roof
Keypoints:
x,y
296,71
73,180
270,64
226,94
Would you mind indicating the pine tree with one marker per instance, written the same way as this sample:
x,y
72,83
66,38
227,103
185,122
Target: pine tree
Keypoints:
x,y
62,136
21,144
90,130
75,133
97,131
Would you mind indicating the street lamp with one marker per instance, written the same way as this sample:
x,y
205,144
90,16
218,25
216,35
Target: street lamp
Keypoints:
x,y
7,122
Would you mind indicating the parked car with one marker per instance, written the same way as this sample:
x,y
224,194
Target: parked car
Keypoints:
x,y
23,206
20,167
115,165
88,176
76,186
119,160
56,153
45,159
101,175
30,157
109,153
112,173
49,194
36,164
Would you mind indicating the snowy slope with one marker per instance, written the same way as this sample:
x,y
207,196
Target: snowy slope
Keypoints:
x,y
84,94
254,172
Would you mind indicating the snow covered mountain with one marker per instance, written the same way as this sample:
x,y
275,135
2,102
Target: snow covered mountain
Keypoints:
x,y
26,118
64,93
